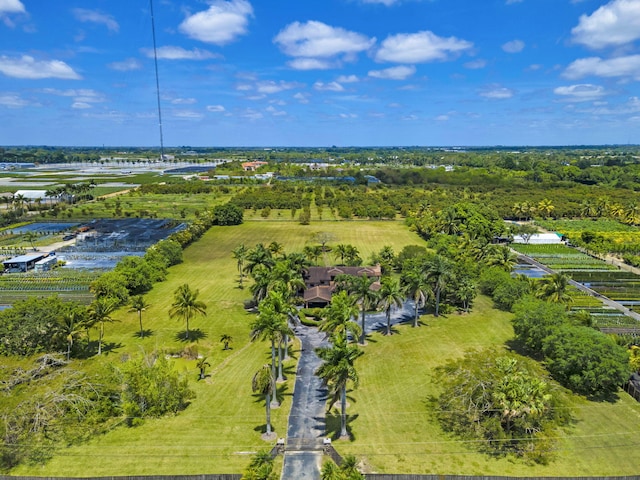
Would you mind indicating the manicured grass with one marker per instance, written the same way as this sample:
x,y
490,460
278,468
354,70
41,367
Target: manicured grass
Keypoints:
x,y
394,432
225,421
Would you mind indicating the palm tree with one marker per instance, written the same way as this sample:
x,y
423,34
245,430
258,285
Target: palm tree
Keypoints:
x,y
545,207
285,279
226,339
139,305
417,287
31,237
261,467
352,257
264,384
336,371
439,272
186,305
366,297
276,248
202,365
465,293
390,295
553,288
312,252
240,255
502,257
340,251
99,313
258,255
272,324
71,323
339,315
261,279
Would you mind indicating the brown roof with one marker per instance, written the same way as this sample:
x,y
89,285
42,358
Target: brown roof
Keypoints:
x,y
315,294
324,275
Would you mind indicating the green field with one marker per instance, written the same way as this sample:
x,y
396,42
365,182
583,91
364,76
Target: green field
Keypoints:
x,y
391,426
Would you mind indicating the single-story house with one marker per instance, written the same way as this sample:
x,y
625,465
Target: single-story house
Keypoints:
x,y
253,166
320,282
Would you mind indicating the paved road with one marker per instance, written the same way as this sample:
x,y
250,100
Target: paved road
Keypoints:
x,y
303,452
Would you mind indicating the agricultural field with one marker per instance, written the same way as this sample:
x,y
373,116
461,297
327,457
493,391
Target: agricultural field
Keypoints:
x,y
609,280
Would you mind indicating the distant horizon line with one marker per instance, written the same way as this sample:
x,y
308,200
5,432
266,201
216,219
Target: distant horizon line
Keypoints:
x,y
332,147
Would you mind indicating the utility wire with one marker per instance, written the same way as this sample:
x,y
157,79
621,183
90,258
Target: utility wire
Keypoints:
x,y
155,60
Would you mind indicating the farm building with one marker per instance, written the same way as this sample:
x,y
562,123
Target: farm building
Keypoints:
x,y
32,195
22,263
540,239
46,264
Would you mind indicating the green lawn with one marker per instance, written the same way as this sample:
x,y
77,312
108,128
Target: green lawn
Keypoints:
x,y
394,432
223,425
392,429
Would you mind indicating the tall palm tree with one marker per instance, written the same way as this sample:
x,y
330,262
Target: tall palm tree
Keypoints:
x,y
258,255
336,371
418,288
264,384
240,255
285,279
272,324
339,315
366,297
99,312
390,295
340,251
439,272
261,279
186,305
139,305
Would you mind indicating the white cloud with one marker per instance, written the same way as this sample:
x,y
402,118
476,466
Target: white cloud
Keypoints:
x,y
626,66
475,64
614,24
127,65
580,93
29,68
514,46
12,101
93,16
11,6
83,98
251,114
420,47
178,53
301,97
496,92
330,87
401,72
442,118
187,114
347,79
222,23
215,108
311,64
316,39
275,112
270,87
184,101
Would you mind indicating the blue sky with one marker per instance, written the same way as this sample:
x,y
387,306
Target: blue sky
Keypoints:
x,y
320,72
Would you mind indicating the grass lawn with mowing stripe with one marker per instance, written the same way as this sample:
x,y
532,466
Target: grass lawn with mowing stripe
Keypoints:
x,y
394,432
222,426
